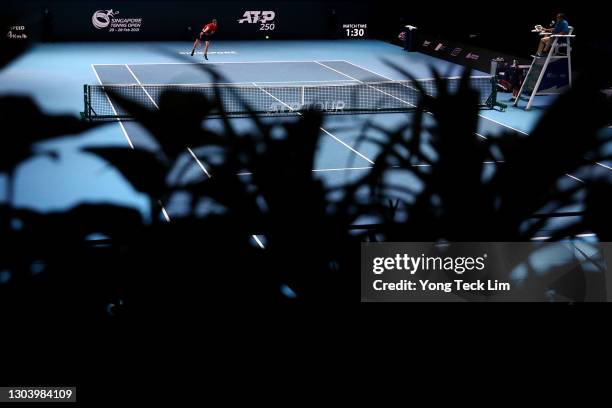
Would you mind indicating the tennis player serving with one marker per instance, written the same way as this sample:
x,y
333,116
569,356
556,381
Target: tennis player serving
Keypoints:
x,y
207,31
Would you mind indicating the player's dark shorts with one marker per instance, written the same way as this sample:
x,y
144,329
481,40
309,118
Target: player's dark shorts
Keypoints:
x,y
205,37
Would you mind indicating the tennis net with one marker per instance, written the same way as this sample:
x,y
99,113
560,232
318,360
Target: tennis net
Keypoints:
x,y
265,99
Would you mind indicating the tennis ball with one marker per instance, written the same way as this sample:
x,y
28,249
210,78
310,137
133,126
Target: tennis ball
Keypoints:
x,y
267,37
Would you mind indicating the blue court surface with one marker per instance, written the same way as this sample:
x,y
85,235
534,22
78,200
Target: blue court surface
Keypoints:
x,y
54,74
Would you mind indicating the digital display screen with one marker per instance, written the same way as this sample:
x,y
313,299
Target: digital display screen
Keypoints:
x,y
355,30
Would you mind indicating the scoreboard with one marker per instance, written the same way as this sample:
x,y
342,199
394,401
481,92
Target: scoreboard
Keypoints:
x,y
355,30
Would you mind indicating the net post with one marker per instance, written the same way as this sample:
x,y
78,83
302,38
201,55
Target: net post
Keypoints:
x,y
86,114
90,108
492,101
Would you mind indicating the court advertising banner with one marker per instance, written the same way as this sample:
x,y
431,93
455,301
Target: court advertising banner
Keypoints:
x,y
460,53
486,272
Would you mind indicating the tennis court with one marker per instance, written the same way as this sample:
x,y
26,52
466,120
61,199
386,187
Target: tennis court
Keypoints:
x,y
162,167
316,65
256,65
278,87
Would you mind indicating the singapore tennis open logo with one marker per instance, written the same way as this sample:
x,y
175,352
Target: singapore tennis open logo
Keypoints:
x,y
102,18
107,19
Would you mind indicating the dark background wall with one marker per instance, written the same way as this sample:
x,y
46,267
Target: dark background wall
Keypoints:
x,y
500,26
168,20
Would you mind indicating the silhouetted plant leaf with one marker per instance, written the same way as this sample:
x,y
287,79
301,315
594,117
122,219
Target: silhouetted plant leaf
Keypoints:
x,y
173,129
28,125
144,170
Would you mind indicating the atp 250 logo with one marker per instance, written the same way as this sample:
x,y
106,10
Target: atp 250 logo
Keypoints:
x,y
264,18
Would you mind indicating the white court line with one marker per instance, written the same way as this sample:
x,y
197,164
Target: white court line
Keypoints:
x,y
361,82
237,84
342,169
200,164
220,62
261,245
163,209
575,178
328,133
113,108
247,173
603,165
577,236
484,117
197,160
164,212
143,88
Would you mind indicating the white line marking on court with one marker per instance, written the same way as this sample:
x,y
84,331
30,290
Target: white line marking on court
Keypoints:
x,y
341,169
164,212
140,83
365,69
238,84
603,165
575,178
348,147
221,62
300,82
587,235
247,173
271,84
261,245
264,91
484,117
504,125
329,134
114,110
361,82
163,209
421,79
209,176
199,162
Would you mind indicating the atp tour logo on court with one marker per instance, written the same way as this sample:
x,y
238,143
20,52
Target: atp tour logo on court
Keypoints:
x,y
264,18
106,19
320,106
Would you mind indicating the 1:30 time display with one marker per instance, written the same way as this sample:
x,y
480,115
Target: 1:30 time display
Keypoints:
x,y
355,32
